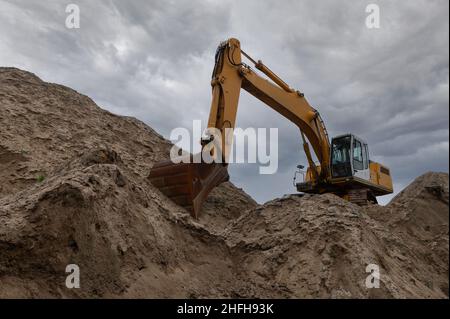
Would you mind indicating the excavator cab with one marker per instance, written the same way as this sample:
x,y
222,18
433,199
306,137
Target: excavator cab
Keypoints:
x,y
349,157
353,175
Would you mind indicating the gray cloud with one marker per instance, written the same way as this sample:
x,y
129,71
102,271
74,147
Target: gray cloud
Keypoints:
x,y
153,60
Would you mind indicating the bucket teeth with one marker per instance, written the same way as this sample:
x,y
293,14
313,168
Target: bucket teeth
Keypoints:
x,y
188,184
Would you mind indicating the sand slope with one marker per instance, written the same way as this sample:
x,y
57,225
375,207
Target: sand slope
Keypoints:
x,y
74,190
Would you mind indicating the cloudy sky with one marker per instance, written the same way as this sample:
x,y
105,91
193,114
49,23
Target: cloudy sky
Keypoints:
x,y
153,60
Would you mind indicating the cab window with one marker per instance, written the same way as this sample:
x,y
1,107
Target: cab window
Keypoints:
x,y
357,155
341,150
366,157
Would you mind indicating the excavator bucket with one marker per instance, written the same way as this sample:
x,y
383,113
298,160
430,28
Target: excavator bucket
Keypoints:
x,y
188,184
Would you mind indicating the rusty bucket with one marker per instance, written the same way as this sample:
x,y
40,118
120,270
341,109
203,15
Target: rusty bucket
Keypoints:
x,y
188,184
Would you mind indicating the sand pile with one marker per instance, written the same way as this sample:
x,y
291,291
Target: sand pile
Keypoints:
x,y
74,191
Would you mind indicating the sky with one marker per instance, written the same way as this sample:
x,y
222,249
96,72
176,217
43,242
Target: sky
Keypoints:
x,y
153,60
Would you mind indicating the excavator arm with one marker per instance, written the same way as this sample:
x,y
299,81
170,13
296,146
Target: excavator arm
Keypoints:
x,y
188,184
231,74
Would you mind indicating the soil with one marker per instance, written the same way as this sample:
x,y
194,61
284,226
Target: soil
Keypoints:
x,y
75,191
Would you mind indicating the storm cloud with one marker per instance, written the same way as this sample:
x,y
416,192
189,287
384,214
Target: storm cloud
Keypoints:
x,y
153,60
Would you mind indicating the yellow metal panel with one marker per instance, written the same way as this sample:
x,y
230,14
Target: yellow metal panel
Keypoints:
x,y
380,175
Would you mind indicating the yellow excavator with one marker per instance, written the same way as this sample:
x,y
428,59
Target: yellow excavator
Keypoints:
x,y
343,167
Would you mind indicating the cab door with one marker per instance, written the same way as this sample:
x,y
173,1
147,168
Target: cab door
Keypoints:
x,y
341,156
360,157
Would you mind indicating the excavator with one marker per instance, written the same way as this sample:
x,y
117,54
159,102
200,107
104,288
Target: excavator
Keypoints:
x,y
343,168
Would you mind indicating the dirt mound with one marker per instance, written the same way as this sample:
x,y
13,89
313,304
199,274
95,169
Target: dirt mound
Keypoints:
x,y
421,209
320,246
74,191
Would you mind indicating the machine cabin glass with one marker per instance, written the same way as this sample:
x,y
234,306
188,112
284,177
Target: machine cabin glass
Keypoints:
x,y
341,159
358,162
